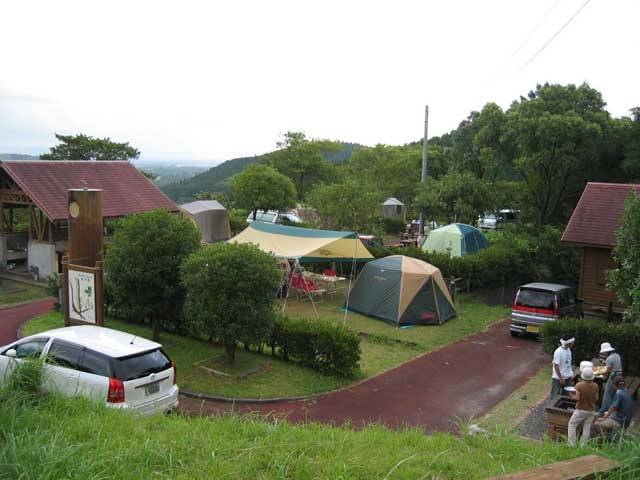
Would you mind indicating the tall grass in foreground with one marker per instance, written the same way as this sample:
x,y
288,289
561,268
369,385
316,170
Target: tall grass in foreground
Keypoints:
x,y
58,438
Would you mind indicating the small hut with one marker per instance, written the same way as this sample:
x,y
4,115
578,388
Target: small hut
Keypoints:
x,y
393,208
211,218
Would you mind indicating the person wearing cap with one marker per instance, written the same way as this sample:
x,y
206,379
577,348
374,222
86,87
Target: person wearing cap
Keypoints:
x,y
585,412
562,372
620,413
614,368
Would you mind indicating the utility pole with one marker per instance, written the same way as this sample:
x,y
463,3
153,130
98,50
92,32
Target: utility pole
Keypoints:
x,y
425,160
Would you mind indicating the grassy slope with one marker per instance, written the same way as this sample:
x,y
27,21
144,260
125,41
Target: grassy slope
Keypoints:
x,y
286,379
58,438
25,292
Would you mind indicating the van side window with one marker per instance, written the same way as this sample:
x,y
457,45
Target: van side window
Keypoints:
x,y
31,349
94,363
64,355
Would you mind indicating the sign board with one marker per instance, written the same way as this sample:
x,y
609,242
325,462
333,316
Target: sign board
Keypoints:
x,y
82,296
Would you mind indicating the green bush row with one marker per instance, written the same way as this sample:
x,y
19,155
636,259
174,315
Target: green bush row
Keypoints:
x,y
317,344
513,257
589,334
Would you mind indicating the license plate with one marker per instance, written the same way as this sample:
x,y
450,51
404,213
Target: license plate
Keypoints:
x,y
532,329
151,388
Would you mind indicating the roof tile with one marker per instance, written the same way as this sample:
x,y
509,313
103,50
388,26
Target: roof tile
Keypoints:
x,y
126,190
597,215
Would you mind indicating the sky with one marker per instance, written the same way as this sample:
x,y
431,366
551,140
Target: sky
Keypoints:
x,y
206,81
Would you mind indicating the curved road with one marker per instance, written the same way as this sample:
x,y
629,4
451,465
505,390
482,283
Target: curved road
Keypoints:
x,y
433,392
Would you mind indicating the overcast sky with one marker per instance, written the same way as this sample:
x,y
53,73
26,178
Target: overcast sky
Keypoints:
x,y
213,80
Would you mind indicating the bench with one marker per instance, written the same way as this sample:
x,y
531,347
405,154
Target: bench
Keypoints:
x,y
581,468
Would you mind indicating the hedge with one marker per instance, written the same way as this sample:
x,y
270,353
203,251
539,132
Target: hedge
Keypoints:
x,y
317,344
589,334
513,257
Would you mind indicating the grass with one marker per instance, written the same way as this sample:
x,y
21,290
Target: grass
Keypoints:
x,y
473,317
73,438
14,292
387,347
505,416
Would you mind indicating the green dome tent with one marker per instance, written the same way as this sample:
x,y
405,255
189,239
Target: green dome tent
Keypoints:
x,y
457,239
402,291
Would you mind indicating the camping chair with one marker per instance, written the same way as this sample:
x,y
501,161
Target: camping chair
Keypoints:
x,y
307,288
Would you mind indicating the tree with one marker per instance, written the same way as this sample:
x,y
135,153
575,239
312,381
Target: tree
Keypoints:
x,y
260,187
231,290
301,160
348,205
555,134
625,280
391,171
456,197
83,147
142,266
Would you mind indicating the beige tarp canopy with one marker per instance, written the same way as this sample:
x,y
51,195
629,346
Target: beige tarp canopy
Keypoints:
x,y
304,244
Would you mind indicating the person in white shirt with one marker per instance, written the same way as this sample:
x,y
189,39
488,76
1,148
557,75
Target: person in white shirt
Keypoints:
x,y
562,371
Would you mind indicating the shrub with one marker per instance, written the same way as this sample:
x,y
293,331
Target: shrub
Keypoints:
x,y
393,226
589,334
231,290
317,344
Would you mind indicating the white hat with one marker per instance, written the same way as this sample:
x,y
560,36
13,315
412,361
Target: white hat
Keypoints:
x,y
587,373
567,342
585,363
606,348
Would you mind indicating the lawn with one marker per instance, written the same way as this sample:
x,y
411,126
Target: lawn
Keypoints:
x,y
14,292
72,438
383,347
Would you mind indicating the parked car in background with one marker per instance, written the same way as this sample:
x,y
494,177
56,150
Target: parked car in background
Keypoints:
x,y
120,369
538,303
492,221
273,216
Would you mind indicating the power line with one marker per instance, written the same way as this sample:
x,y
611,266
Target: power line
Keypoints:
x,y
554,35
535,29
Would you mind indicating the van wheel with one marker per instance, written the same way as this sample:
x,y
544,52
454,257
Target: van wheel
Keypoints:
x,y
514,334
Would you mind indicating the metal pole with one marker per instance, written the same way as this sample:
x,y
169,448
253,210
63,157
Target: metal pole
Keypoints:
x,y
425,160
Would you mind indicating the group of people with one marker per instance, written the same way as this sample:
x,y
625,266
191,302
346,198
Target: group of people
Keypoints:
x,y
616,409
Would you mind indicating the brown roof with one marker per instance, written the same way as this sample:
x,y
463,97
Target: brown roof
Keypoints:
x,y
596,217
126,190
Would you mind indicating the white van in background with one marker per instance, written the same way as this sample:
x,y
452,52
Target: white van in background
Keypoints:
x,y
273,216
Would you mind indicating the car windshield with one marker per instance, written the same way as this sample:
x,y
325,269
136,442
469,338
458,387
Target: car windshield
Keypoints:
x,y
141,365
490,216
266,217
535,299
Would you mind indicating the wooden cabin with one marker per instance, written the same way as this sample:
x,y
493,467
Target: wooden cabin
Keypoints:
x,y
34,206
592,228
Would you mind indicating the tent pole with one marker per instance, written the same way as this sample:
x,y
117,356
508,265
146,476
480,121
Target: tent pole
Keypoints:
x,y
307,290
353,267
286,298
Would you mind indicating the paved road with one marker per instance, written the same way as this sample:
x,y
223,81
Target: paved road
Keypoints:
x,y
11,318
462,380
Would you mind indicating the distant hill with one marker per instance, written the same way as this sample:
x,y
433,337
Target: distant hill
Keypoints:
x,y
216,179
166,173
18,156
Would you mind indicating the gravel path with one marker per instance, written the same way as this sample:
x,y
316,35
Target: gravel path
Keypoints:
x,y
535,424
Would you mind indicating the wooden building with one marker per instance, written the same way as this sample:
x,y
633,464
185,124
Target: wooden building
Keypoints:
x,y
592,228
34,199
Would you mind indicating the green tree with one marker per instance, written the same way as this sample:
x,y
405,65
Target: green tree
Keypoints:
x,y
302,160
555,134
631,148
261,187
83,147
230,294
391,171
625,280
142,267
349,204
456,197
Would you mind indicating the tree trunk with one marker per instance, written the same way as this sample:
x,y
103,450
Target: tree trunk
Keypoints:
x,y
230,350
155,323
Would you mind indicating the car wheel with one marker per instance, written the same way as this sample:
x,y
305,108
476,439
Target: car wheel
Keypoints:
x,y
514,334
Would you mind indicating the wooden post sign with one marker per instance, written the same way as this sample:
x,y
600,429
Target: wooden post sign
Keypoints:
x,y
83,292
